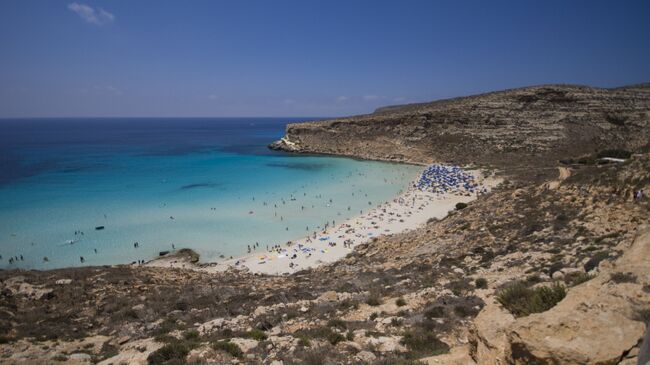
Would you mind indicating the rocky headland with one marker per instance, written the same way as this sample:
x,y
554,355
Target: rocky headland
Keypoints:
x,y
551,267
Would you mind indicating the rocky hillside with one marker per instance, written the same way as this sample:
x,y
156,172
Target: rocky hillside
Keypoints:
x,y
514,127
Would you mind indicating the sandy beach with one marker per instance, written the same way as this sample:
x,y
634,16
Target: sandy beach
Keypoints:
x,y
409,210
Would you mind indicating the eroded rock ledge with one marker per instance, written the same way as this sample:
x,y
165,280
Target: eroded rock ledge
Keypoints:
x,y
519,127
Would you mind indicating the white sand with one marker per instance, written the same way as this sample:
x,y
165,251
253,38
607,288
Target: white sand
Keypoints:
x,y
408,211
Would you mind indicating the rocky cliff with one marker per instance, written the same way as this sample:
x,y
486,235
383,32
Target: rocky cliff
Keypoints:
x,y
521,126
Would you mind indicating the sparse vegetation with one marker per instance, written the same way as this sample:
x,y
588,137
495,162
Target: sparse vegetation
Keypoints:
x,y
336,323
481,283
623,277
326,333
257,335
374,300
579,278
172,351
228,347
522,300
461,206
423,343
191,335
400,302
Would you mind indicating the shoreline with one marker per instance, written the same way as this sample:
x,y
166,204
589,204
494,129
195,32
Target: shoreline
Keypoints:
x,y
407,211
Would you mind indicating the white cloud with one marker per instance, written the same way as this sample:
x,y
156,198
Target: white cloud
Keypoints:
x,y
370,97
97,16
342,98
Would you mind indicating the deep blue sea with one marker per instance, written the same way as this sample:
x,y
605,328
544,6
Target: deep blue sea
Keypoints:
x,y
207,184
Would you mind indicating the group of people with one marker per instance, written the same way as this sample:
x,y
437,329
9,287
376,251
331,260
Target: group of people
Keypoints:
x,y
441,179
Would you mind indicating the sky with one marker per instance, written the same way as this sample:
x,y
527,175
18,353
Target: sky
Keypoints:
x,y
303,58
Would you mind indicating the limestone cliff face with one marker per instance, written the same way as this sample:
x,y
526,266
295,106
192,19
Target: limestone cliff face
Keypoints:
x,y
499,128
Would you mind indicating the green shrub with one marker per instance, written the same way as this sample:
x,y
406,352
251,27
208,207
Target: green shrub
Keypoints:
x,y
423,343
228,347
324,333
459,287
461,205
521,300
400,302
336,323
191,335
580,278
374,300
257,335
304,341
373,316
349,336
335,338
171,351
481,283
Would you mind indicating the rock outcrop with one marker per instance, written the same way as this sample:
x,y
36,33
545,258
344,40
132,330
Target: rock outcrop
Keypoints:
x,y
521,126
599,322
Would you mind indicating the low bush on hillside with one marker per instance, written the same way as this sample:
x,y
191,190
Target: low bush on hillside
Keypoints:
x,y
481,283
461,205
228,347
522,300
172,351
374,300
257,335
577,279
422,343
623,277
325,333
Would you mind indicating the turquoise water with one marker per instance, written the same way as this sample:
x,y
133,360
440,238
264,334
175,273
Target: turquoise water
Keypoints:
x,y
207,184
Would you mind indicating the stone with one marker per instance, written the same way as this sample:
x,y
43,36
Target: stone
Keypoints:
x,y
386,343
79,358
366,356
328,296
63,281
557,275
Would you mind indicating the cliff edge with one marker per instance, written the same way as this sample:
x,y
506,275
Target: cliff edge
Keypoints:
x,y
539,125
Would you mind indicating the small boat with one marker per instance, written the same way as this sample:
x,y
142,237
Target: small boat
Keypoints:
x,y
99,228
